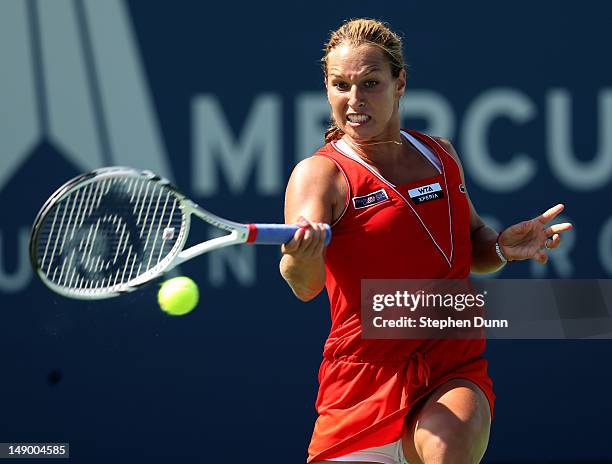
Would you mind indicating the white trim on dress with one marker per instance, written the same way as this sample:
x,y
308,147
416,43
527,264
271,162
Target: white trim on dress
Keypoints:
x,y
344,149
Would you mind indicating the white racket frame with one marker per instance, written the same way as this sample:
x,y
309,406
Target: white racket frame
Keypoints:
x,y
238,233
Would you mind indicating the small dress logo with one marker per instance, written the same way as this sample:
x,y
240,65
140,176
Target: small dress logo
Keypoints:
x,y
370,199
462,188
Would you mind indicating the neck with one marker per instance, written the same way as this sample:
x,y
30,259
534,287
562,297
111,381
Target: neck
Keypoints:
x,y
377,150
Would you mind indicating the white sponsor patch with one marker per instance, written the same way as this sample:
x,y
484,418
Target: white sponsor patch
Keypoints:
x,y
426,193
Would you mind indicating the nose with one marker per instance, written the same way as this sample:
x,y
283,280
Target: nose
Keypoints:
x,y
355,97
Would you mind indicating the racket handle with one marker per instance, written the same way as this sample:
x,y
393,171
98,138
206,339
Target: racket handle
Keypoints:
x,y
277,234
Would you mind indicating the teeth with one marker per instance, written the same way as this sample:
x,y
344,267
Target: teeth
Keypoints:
x,y
358,118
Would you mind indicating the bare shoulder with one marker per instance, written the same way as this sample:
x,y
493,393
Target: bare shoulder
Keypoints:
x,y
315,190
315,167
451,151
475,220
448,147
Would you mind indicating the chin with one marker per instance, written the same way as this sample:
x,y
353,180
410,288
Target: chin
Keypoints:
x,y
360,134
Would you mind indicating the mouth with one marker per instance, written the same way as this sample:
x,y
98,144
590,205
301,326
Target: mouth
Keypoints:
x,y
357,119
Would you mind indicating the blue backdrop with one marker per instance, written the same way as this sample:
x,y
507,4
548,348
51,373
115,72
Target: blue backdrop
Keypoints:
x,y
224,99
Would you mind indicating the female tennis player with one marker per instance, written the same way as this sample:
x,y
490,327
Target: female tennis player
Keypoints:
x,y
388,401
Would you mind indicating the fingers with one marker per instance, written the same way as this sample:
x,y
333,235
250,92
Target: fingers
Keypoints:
x,y
552,242
292,245
553,232
530,240
540,257
551,213
557,228
308,241
314,236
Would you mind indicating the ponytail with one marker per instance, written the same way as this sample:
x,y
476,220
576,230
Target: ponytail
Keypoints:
x,y
333,132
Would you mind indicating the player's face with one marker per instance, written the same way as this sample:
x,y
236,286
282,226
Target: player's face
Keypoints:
x,y
363,93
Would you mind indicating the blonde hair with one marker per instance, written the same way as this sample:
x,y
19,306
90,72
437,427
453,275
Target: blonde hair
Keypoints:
x,y
363,31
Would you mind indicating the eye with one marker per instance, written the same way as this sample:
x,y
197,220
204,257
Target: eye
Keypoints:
x,y
341,85
371,83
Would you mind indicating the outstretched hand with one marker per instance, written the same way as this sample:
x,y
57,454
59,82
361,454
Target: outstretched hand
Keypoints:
x,y
528,239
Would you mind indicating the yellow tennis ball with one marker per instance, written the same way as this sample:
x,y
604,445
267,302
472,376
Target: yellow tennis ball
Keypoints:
x,y
178,296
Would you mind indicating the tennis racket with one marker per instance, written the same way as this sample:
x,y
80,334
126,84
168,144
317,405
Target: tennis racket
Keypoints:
x,y
107,232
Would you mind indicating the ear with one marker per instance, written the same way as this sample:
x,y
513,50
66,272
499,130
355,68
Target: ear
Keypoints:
x,y
401,83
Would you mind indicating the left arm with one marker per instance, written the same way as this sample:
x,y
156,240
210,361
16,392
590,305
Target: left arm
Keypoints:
x,y
524,240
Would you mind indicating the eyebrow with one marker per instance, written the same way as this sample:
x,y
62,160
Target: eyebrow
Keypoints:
x,y
369,70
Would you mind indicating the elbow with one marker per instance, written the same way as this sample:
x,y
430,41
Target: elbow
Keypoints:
x,y
305,286
305,295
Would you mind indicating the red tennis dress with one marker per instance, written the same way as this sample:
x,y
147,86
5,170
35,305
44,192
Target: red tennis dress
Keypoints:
x,y
366,386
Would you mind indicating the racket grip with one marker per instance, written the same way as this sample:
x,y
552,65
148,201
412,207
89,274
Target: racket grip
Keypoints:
x,y
277,234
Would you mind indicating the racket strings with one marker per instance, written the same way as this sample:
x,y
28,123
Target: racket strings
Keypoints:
x,y
108,233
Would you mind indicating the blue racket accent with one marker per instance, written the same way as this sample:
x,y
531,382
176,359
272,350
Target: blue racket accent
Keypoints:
x,y
277,234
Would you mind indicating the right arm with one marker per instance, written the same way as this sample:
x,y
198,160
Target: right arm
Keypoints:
x,y
313,198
